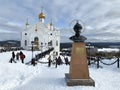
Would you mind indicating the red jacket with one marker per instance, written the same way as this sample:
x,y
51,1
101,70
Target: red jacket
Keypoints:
x,y
22,56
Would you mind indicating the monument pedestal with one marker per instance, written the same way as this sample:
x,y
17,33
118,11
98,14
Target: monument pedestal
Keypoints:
x,y
77,82
79,73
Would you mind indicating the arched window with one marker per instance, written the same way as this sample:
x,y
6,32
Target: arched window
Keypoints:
x,y
36,42
36,39
25,42
50,43
56,43
25,33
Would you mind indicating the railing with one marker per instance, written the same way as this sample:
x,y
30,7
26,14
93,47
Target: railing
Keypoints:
x,y
98,60
40,55
43,54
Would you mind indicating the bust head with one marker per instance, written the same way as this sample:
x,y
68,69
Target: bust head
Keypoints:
x,y
77,28
77,37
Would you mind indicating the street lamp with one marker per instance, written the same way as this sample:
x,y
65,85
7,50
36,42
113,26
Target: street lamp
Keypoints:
x,y
89,54
41,46
32,48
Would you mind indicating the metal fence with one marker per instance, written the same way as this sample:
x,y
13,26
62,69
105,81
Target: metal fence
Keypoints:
x,y
99,60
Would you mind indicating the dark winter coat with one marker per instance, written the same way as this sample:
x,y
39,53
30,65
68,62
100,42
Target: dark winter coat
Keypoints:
x,y
13,55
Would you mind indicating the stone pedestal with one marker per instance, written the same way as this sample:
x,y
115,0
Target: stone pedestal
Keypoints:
x,y
79,73
78,82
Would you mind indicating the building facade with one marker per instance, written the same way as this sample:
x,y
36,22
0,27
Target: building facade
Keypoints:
x,y
41,36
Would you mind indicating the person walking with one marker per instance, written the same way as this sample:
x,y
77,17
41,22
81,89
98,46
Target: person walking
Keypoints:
x,y
33,61
60,61
66,60
56,62
12,59
17,56
22,57
49,61
13,55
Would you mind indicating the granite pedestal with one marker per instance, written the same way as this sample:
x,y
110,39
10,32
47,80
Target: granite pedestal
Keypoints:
x,y
79,73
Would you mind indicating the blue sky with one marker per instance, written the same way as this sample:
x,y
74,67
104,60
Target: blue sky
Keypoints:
x,y
101,18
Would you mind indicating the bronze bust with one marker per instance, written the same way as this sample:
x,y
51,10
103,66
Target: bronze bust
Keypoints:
x,y
77,37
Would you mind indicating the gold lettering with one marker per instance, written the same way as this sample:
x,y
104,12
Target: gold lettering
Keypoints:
x,y
79,50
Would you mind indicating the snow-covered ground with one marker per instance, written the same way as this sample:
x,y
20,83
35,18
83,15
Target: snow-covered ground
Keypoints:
x,y
18,76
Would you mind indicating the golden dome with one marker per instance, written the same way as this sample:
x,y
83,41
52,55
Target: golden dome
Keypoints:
x,y
27,23
51,23
41,15
36,28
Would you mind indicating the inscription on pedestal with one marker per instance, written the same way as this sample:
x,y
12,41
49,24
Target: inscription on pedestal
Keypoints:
x,y
78,64
79,50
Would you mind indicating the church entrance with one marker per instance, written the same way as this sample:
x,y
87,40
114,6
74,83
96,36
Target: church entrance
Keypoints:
x,y
36,42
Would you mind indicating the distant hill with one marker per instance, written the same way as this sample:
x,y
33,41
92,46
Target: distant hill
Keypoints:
x,y
96,44
16,43
106,44
12,43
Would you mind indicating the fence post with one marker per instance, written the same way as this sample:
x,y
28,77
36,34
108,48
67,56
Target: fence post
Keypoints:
x,y
98,62
118,62
89,61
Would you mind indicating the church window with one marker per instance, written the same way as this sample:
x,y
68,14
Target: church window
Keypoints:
x,y
56,53
25,33
25,42
50,43
56,43
36,39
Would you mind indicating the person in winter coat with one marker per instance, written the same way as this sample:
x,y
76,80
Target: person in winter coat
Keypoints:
x,y
13,55
56,60
66,61
22,57
60,61
12,59
17,56
49,61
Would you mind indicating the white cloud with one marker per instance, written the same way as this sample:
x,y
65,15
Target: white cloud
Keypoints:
x,y
100,17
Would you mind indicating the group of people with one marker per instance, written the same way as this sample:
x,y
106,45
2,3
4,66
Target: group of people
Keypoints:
x,y
58,61
19,55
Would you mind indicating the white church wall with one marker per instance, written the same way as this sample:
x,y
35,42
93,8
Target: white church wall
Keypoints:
x,y
44,33
56,41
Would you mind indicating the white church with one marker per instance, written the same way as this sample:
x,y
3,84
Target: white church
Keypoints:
x,y
41,35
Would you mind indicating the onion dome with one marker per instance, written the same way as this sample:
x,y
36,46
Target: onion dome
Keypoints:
x,y
27,23
51,24
41,15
